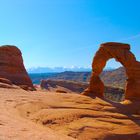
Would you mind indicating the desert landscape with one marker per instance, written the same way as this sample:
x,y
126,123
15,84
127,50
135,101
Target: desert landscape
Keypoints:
x,y
59,110
69,70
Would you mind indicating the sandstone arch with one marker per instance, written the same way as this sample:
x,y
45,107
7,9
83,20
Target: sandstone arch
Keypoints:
x,y
121,52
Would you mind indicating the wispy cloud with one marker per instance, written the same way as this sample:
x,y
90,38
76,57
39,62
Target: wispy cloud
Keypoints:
x,y
130,38
96,45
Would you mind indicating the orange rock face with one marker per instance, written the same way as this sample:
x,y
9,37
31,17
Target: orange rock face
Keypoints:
x,y
121,52
12,67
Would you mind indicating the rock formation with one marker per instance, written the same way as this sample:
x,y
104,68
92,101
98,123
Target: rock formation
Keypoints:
x,y
65,86
12,67
121,52
69,86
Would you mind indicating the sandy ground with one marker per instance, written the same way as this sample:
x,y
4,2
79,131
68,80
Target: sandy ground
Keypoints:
x,y
41,115
15,127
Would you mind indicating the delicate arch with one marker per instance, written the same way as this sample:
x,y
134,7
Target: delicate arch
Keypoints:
x,y
121,52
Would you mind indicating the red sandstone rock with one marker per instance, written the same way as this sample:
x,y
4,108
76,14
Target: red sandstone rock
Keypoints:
x,y
61,91
70,85
12,67
121,52
6,81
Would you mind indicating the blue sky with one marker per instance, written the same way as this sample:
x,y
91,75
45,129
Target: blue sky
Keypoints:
x,y
68,32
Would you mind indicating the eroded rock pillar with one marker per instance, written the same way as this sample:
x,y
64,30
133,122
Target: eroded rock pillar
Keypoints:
x,y
96,86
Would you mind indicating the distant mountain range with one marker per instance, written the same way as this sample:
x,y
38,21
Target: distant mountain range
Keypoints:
x,y
56,69
59,69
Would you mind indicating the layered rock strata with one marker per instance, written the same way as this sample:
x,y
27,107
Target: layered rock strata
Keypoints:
x,y
12,67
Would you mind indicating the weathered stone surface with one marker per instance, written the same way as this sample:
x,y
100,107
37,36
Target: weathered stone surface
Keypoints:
x,y
12,67
6,81
121,52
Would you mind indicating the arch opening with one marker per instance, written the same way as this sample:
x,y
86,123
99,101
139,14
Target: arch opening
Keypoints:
x,y
114,78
